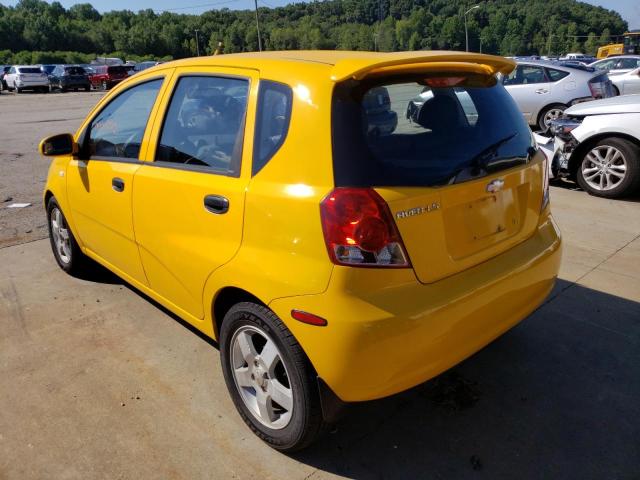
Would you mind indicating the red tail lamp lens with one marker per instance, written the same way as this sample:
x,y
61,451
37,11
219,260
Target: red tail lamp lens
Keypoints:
x,y
308,318
359,229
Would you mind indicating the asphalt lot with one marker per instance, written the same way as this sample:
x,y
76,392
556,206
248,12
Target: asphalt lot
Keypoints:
x,y
97,381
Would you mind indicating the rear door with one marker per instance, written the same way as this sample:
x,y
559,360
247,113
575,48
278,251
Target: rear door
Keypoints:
x,y
461,176
188,199
530,88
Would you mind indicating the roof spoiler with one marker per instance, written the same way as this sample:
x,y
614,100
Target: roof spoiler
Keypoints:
x,y
405,62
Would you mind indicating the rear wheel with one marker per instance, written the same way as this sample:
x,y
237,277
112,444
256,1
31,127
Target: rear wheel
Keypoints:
x,y
105,85
611,169
616,91
17,90
269,378
65,248
550,113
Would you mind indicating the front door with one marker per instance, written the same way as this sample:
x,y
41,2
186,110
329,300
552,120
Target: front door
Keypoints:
x,y
188,200
100,185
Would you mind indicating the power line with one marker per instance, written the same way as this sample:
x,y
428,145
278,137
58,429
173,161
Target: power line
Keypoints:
x,y
189,7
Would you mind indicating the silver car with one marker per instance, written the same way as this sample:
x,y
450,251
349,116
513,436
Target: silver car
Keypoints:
x,y
627,83
27,77
617,65
543,90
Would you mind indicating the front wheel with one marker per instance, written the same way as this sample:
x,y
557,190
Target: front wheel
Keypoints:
x,y
269,378
611,169
65,248
550,113
105,85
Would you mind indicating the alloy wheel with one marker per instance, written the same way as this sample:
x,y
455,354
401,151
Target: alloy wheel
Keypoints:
x,y
261,377
552,114
61,237
604,167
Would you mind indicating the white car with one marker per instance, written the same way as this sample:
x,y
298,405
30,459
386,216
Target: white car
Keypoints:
x,y
617,65
27,77
543,90
627,83
598,144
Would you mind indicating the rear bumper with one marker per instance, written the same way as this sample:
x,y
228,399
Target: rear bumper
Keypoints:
x,y
387,332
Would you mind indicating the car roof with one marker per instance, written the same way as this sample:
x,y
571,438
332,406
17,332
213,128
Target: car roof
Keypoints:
x,y
341,65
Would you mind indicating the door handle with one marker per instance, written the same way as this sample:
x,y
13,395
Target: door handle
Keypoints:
x,y
542,90
117,184
216,204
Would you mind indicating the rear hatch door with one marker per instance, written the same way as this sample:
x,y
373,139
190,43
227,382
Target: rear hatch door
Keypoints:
x,y
460,172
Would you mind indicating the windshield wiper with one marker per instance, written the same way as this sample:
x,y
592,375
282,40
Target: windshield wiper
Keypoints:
x,y
481,160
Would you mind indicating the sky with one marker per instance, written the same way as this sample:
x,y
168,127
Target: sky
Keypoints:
x,y
629,9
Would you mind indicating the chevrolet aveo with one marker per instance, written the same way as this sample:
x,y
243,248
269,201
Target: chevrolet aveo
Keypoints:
x,y
335,257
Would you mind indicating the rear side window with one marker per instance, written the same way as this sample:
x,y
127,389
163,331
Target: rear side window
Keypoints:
x,y
426,135
112,70
118,129
75,70
556,75
273,118
204,125
628,63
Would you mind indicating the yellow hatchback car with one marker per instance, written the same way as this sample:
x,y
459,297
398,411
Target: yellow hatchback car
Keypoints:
x,y
346,225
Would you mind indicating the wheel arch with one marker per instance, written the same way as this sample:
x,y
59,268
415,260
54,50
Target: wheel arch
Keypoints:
x,y
47,196
226,298
583,147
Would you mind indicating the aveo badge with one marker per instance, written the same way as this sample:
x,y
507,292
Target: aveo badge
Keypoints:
x,y
412,212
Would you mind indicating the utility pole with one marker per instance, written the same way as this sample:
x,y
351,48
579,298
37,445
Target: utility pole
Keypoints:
x,y
466,31
197,44
258,27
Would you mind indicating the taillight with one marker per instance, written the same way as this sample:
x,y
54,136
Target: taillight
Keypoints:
x,y
359,229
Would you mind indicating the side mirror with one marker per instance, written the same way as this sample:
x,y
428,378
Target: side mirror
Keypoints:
x,y
57,145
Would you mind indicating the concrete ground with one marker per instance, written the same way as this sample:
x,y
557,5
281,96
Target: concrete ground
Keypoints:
x,y
97,381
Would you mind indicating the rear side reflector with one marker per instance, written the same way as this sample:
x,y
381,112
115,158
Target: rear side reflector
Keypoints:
x,y
308,318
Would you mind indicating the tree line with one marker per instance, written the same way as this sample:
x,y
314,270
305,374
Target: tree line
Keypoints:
x,y
35,31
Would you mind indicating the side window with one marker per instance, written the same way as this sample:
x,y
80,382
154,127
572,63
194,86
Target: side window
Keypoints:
x,y
556,75
12,70
118,129
273,118
628,63
606,65
525,74
204,125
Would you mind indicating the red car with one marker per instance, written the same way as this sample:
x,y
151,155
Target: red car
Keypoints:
x,y
106,76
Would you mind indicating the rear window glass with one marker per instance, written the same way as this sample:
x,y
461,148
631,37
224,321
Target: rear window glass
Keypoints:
x,y
75,70
407,133
29,70
119,69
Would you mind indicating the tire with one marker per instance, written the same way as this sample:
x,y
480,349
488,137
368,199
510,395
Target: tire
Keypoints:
x,y
105,85
297,421
69,258
620,159
17,90
616,91
548,113
87,88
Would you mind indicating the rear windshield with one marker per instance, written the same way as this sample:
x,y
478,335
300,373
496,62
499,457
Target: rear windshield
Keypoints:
x,y
118,69
75,70
30,70
418,132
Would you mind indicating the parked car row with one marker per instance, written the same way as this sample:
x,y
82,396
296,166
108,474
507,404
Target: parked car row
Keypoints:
x,y
45,78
